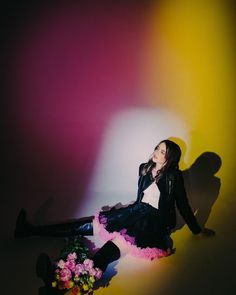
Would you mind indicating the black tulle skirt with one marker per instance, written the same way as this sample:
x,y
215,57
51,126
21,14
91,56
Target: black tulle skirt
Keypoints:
x,y
138,225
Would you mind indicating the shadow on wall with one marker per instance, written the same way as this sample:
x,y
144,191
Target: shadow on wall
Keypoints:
x,y
202,186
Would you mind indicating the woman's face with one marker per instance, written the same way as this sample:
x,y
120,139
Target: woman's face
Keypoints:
x,y
159,155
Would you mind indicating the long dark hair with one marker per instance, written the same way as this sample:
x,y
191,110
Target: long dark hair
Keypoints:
x,y
173,154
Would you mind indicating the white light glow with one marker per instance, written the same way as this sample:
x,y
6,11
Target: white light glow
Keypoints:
x,y
129,141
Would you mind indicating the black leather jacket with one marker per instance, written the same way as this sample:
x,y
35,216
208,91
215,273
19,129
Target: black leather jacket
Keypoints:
x,y
172,195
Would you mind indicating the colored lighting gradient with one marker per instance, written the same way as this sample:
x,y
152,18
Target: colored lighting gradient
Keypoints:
x,y
191,53
129,140
91,88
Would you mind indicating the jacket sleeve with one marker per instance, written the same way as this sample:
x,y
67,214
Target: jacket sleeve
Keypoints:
x,y
183,206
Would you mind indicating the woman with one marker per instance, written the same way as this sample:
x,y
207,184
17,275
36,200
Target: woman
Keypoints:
x,y
144,226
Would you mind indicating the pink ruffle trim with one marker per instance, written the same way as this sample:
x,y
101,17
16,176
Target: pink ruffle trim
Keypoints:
x,y
126,240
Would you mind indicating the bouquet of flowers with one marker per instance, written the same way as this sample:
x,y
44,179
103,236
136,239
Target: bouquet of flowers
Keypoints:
x,y
76,271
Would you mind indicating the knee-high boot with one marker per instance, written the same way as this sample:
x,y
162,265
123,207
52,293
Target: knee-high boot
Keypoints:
x,y
44,269
105,255
24,229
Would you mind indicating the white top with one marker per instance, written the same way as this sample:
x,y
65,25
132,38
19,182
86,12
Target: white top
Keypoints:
x,y
152,195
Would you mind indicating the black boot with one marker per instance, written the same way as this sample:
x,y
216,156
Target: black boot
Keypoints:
x,y
23,228
64,229
107,254
44,269
85,229
81,226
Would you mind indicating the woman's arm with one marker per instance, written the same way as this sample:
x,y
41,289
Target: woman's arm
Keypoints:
x,y
183,206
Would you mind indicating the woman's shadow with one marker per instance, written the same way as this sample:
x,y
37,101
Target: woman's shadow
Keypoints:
x,y
202,187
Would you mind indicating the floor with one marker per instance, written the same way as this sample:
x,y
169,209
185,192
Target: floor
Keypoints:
x,y
199,266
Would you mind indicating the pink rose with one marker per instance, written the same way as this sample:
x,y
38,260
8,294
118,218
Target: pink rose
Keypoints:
x,y
98,273
72,256
65,274
70,264
92,272
88,264
61,263
79,268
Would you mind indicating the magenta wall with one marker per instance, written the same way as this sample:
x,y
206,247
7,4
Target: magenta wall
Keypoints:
x,y
69,68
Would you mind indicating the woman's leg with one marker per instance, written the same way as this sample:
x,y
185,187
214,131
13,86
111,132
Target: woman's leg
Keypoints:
x,y
44,269
81,226
105,255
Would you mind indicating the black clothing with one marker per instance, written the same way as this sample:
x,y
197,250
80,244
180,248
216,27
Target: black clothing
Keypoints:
x,y
145,226
108,253
172,196
82,226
